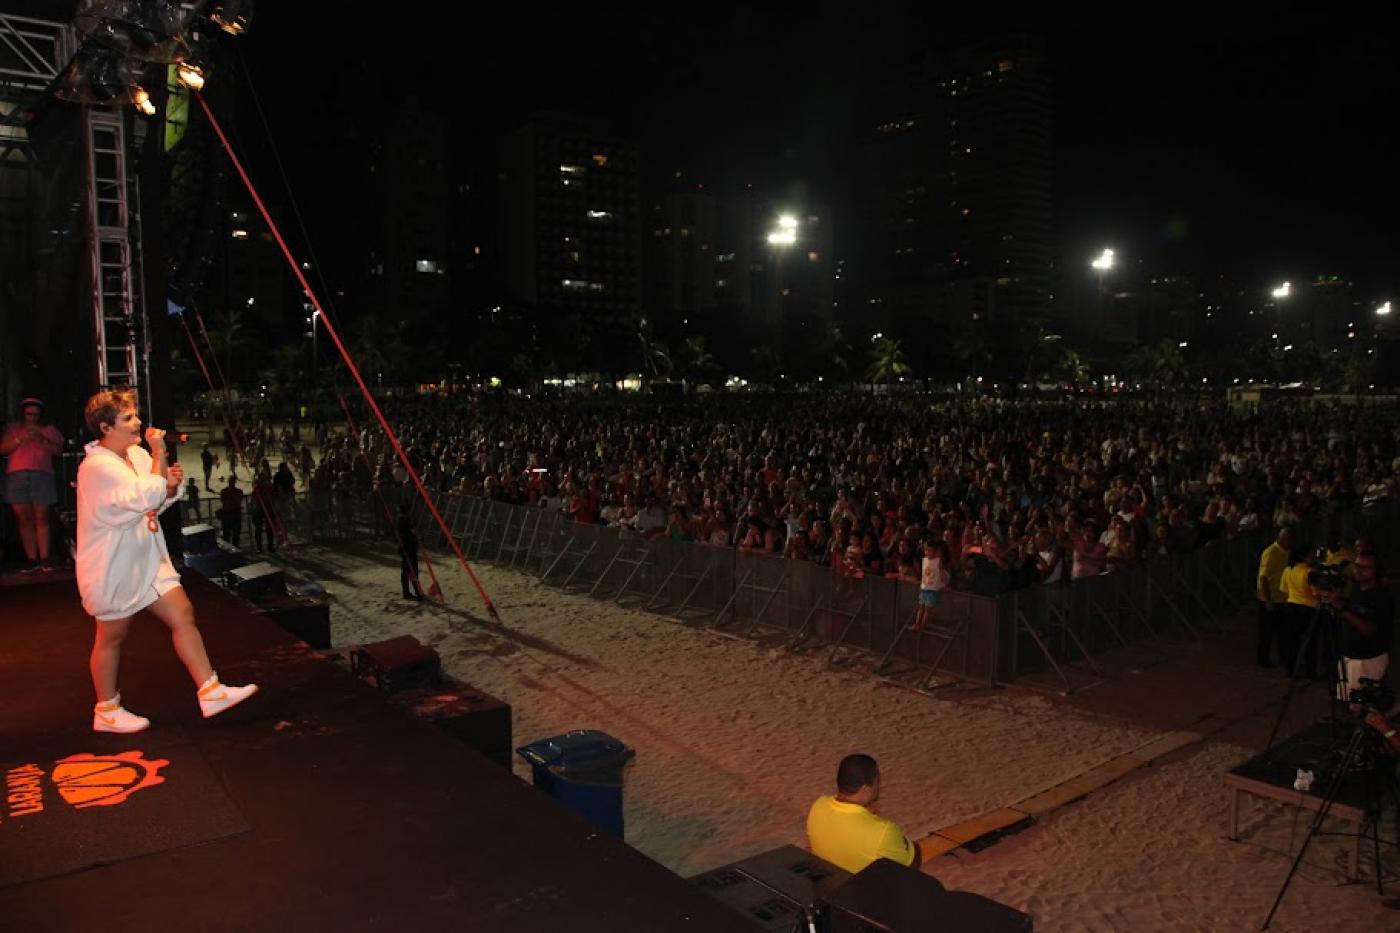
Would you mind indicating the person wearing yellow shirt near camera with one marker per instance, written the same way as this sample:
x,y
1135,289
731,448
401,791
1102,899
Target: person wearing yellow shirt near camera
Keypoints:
x,y
1300,605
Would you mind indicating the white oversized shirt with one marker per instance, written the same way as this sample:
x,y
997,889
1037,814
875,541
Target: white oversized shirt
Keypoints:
x,y
121,565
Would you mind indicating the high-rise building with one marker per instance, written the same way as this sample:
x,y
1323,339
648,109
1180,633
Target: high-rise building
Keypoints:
x,y
403,229
680,267
570,215
950,202
762,256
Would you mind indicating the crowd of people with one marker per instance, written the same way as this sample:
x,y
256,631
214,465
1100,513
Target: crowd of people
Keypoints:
x,y
1002,493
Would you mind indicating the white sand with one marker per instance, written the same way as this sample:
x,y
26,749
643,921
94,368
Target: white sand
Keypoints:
x,y
734,741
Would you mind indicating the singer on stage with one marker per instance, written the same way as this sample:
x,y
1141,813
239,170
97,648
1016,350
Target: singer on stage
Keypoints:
x,y
122,564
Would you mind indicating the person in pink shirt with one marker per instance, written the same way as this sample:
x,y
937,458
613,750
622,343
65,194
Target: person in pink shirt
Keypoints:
x,y
29,484
122,565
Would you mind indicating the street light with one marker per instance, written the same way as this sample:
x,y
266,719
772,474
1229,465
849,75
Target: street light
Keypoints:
x,y
1384,309
786,232
1284,290
1104,262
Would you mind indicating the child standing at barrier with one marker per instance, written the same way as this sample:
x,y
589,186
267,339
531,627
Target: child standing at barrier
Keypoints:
x,y
933,580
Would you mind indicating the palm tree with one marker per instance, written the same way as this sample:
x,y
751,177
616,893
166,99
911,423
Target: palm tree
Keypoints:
x,y
837,350
889,363
229,339
1161,363
1045,354
973,348
696,360
1072,367
656,356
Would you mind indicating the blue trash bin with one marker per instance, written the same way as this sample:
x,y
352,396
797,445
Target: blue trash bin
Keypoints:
x,y
583,771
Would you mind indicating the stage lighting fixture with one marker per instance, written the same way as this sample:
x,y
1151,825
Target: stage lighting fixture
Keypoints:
x,y
233,16
150,30
97,74
142,100
190,75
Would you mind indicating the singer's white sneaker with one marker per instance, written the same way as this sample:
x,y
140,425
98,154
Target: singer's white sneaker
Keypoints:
x,y
214,697
111,717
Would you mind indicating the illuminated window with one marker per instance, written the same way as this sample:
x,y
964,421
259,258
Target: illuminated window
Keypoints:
x,y
813,256
575,284
1005,66
596,286
600,160
240,234
721,283
600,215
571,170
426,265
476,250
685,232
725,257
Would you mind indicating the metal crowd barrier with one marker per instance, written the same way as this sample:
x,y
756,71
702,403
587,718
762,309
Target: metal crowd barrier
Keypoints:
x,y
1057,631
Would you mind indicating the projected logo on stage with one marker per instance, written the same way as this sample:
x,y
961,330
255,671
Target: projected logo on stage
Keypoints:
x,y
82,780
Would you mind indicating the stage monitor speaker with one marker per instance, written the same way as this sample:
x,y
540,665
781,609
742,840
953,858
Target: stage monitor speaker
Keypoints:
x,y
305,617
465,713
255,580
402,663
769,910
200,539
889,898
216,564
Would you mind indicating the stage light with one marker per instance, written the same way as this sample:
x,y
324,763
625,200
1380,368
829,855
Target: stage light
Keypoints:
x,y
142,100
98,74
233,16
147,30
190,75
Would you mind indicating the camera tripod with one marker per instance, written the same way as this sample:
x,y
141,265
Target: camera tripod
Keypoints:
x,y
1364,746
1324,637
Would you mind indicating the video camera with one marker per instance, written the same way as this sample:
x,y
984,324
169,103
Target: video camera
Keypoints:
x,y
1328,577
1374,695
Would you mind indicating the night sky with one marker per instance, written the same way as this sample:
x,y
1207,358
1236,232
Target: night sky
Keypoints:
x,y
1258,150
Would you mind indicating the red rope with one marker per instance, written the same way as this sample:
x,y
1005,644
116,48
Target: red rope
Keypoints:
x,y
274,521
436,588
345,355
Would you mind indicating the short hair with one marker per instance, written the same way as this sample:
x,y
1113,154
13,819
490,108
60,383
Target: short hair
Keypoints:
x,y
1375,560
855,772
104,407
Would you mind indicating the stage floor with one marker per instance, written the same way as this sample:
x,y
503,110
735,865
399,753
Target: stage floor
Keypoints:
x,y
314,806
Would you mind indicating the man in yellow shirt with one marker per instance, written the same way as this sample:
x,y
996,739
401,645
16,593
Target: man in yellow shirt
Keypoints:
x,y
842,830
1271,598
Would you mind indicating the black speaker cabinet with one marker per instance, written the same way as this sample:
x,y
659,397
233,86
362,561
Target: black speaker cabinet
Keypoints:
x,y
402,663
769,910
466,713
215,565
256,580
889,898
305,617
200,539
773,886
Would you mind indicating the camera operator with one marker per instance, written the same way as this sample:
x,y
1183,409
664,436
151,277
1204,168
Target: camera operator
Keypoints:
x,y
1378,721
1368,618
1269,592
